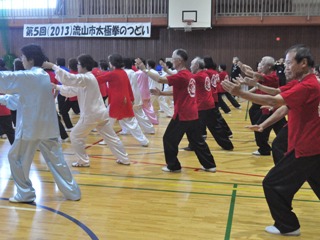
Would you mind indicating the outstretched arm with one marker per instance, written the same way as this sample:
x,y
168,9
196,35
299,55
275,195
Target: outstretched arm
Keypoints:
x,y
235,89
275,117
152,75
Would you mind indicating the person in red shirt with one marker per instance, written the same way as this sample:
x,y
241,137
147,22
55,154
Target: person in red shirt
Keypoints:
x,y
267,77
185,118
206,105
121,98
302,161
211,69
63,133
223,76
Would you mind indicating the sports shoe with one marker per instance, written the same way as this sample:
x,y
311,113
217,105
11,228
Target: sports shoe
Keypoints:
x,y
146,144
77,164
188,148
3,136
123,133
66,140
274,230
102,143
257,153
14,200
213,170
166,169
121,162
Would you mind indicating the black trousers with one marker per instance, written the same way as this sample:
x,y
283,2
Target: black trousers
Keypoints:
x,y
6,127
64,107
172,137
62,130
209,118
283,181
222,103
262,138
280,145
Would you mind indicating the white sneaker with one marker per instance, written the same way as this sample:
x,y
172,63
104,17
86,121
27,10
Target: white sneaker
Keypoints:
x,y
94,130
102,143
123,133
66,140
213,170
257,153
274,230
166,169
3,136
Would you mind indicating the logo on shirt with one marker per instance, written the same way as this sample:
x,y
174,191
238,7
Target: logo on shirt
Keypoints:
x,y
214,80
207,84
192,87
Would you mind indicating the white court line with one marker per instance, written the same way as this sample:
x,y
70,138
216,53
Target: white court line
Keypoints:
x,y
23,209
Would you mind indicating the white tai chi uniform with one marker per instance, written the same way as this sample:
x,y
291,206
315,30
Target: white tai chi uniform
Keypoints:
x,y
140,115
93,114
37,125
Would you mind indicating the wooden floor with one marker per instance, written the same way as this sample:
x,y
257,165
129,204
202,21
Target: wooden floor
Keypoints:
x,y
142,202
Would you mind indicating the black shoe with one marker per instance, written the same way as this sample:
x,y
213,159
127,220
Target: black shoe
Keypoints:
x,y
188,149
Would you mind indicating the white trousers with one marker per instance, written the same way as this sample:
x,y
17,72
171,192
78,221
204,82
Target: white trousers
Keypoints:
x,y
20,157
82,129
131,124
143,121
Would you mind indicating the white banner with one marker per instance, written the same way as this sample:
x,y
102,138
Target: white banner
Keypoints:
x,y
112,30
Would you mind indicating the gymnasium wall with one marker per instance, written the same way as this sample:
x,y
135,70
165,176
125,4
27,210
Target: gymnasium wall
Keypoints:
x,y
222,43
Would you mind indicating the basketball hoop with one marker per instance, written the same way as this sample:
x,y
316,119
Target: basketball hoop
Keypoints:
x,y
188,25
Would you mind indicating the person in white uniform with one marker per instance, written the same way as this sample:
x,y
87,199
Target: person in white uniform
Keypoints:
x,y
37,126
93,113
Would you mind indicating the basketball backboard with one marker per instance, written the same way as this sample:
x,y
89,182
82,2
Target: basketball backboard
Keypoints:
x,y
189,14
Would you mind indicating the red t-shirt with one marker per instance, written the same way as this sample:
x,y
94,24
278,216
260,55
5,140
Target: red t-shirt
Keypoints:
x,y
288,85
203,91
102,86
270,80
4,111
214,77
120,93
184,95
302,100
223,76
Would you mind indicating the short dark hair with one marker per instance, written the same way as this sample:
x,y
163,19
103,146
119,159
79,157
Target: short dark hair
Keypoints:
x,y
86,61
103,64
151,63
302,51
61,62
72,63
127,63
116,60
182,53
35,53
209,63
169,64
223,66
